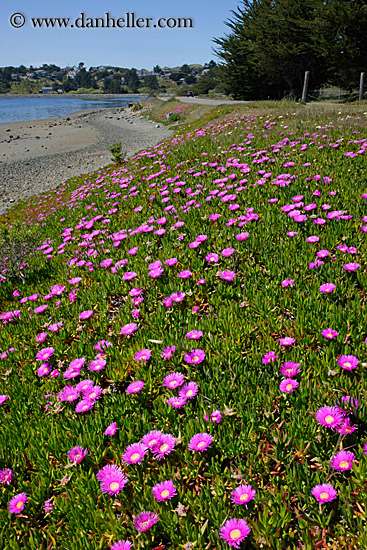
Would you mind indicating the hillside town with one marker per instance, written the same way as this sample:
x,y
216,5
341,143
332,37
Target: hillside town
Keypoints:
x,y
50,78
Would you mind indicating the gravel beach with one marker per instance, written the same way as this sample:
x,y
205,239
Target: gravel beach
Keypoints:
x,y
36,156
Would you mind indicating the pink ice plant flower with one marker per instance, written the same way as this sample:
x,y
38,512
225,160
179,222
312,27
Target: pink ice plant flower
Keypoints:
x,y
194,334
329,333
200,442
164,447
352,266
173,380
111,429
188,391
17,503
243,494
164,490
129,328
194,357
5,476
234,531
45,354
168,352
86,314
290,369
324,493
122,545
177,402
145,521
227,275
112,479
77,454
135,453
143,355
287,341
330,417
348,362
151,439
135,387
269,357
288,385
327,288
343,461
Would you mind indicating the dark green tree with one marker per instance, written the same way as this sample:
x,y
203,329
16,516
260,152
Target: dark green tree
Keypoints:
x,y
151,82
132,80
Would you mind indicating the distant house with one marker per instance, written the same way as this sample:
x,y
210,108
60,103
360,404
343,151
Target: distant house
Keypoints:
x,y
46,90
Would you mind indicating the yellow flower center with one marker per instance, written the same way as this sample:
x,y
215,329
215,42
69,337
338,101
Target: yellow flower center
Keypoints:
x,y
152,442
329,419
344,464
92,395
235,534
324,496
19,504
165,493
114,486
288,387
347,364
195,358
201,444
135,457
85,407
163,447
173,384
189,393
244,497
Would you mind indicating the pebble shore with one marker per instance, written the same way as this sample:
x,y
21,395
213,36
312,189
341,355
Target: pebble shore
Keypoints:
x,y
37,156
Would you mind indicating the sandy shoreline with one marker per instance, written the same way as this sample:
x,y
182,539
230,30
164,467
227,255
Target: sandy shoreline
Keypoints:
x,y
36,156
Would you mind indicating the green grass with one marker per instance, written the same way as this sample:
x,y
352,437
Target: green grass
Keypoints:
x,y
266,438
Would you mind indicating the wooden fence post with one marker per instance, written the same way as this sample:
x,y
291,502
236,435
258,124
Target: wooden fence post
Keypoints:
x,y
361,86
305,86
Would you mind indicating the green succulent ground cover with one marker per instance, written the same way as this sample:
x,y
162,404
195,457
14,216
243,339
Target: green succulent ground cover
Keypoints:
x,y
266,438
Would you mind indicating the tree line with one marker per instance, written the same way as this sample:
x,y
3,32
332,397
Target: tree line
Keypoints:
x,y
272,43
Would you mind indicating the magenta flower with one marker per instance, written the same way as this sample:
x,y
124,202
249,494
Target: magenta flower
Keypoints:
x,y
177,296
68,393
144,521
44,369
290,369
353,266
330,417
177,402
44,354
287,282
106,263
288,385
97,364
40,309
76,454
86,314
151,439
171,261
167,301
227,252
200,442
48,505
164,447
188,391
164,490
135,387
134,454
75,280
143,355
327,288
243,494
234,531
212,257
129,275
168,352
122,545
324,493
17,503
227,275
184,274
112,479
348,362
41,337
312,239
129,328
5,476
173,380
343,460
242,236
269,357
94,392
101,345
287,341
111,429
84,405
195,356
329,333
194,334
154,273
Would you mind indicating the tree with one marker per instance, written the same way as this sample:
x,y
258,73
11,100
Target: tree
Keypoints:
x,y
132,80
151,82
272,44
190,79
157,69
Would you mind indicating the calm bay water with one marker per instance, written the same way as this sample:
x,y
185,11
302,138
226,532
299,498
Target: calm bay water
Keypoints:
x,y
17,109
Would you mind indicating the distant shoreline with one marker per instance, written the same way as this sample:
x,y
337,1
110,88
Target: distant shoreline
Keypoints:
x,y
80,96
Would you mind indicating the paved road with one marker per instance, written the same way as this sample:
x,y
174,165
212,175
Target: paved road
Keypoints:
x,y
205,101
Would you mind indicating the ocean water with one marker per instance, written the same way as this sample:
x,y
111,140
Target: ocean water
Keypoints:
x,y
17,109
